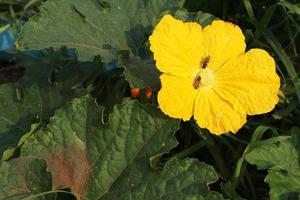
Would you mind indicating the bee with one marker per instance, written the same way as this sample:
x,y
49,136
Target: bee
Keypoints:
x,y
205,61
197,81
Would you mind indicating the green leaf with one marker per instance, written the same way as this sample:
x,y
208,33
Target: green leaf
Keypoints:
x,y
185,179
111,160
24,177
35,97
282,159
94,27
141,73
205,18
292,8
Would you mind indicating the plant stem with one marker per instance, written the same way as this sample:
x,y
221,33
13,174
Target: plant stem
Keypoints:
x,y
190,150
214,151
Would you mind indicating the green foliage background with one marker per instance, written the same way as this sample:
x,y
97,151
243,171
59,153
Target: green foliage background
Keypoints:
x,y
70,129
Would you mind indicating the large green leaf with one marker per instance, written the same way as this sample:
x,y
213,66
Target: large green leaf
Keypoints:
x,y
24,177
111,160
180,180
35,96
94,27
282,159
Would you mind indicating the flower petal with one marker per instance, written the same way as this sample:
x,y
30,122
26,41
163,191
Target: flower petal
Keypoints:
x,y
176,97
249,81
216,114
222,40
177,46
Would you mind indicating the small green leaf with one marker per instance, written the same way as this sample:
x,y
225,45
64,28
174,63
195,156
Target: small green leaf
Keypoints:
x,y
202,18
141,73
94,27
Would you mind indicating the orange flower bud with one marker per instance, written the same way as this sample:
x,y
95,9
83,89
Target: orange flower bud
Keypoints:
x,y
135,92
148,91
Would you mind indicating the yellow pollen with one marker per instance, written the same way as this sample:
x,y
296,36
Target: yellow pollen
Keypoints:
x,y
207,77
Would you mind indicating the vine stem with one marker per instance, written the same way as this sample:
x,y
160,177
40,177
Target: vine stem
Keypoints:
x,y
213,150
192,149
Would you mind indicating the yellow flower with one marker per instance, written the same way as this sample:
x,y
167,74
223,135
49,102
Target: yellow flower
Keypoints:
x,y
207,74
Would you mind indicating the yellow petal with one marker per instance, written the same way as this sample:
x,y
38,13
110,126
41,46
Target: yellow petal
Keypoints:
x,y
177,46
222,40
216,114
176,97
249,81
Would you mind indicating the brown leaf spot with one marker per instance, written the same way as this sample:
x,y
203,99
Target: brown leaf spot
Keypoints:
x,y
70,168
21,186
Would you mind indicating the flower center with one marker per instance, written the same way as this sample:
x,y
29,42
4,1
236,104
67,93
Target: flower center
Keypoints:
x,y
204,77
